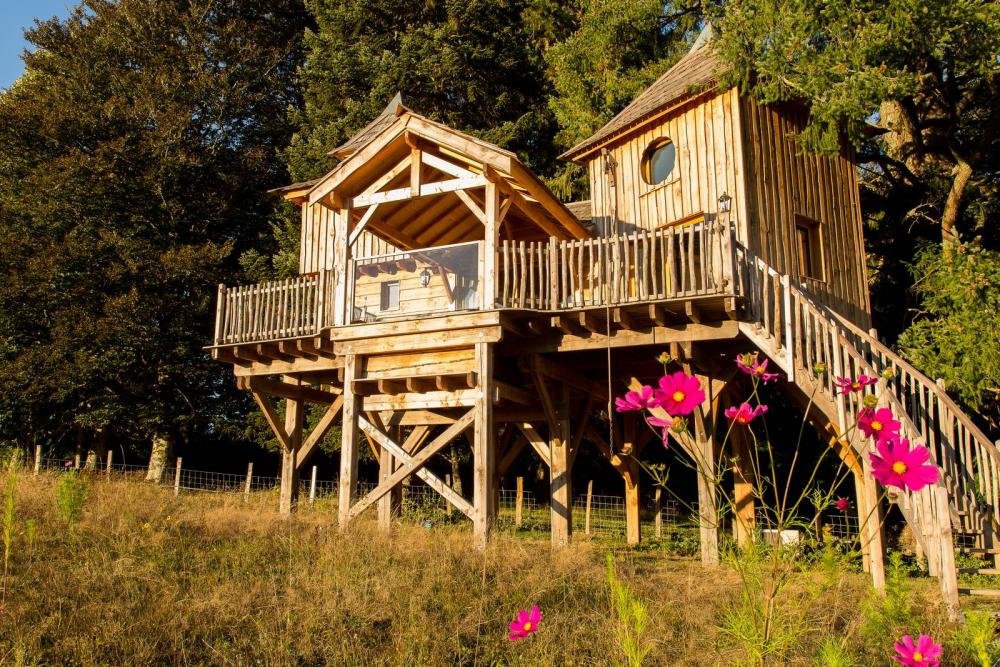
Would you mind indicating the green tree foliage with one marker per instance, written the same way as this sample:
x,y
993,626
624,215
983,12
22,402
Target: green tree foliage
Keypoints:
x,y
618,49
475,66
957,336
926,73
135,155
925,70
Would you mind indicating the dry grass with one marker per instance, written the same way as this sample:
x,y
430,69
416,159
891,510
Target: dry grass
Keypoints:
x,y
147,578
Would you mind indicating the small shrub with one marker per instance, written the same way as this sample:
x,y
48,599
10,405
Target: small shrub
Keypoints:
x,y
71,495
633,618
977,639
833,653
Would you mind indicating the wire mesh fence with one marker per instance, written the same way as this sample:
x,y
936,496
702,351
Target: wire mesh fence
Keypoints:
x,y
594,514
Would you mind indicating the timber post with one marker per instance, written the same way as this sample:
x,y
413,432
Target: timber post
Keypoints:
x,y
312,486
349,442
177,477
744,519
294,416
519,502
590,497
658,508
246,487
38,459
705,448
107,469
561,471
484,449
872,527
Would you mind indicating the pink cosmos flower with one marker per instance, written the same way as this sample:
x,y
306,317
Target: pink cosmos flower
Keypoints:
x,y
744,414
675,424
925,653
843,504
847,385
748,364
68,464
680,394
897,464
638,400
526,623
878,424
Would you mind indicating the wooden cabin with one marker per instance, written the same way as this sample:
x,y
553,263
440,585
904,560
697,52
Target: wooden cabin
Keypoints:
x,y
445,291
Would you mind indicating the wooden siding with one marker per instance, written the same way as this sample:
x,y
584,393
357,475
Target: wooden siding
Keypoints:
x,y
784,182
316,247
709,162
414,298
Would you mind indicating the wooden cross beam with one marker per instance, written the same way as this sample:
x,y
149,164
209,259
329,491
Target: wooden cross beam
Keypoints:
x,y
264,403
517,446
415,463
432,480
319,432
537,442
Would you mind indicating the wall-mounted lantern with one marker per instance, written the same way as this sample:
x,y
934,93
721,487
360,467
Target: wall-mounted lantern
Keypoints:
x,y
425,277
725,203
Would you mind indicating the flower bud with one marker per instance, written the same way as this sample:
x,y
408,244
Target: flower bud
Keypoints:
x,y
819,367
870,400
664,358
888,373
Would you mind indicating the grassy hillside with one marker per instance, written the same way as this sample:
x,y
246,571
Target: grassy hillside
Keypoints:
x,y
147,578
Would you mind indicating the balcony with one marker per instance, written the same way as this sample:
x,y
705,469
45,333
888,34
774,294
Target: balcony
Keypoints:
x,y
547,276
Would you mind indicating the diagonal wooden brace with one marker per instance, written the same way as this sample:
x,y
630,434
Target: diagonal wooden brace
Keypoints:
x,y
318,433
536,441
415,463
432,480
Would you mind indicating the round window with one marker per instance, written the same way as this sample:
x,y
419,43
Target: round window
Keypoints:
x,y
659,161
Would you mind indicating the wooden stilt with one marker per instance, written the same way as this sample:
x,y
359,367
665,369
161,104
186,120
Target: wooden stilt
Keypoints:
x,y
349,442
862,511
872,528
743,499
633,527
484,449
386,502
561,487
708,514
294,415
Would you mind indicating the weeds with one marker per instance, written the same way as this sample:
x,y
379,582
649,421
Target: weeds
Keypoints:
x,y
632,619
71,495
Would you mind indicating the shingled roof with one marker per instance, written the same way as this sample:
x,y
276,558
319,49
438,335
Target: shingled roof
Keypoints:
x,y
395,107
694,73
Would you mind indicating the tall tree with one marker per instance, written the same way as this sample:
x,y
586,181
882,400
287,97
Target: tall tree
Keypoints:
x,y
474,65
134,158
616,51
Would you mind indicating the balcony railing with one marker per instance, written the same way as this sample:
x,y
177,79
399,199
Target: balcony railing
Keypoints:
x,y
553,275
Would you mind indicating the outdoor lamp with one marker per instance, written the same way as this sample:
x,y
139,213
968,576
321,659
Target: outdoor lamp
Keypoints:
x,y
725,202
425,277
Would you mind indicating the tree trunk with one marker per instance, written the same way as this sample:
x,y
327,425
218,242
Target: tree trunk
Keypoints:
x,y
456,477
160,456
949,217
97,450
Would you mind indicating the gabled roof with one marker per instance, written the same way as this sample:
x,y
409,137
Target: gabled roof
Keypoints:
x,y
396,107
693,74
376,171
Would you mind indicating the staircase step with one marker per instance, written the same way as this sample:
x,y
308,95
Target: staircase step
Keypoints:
x,y
979,570
983,592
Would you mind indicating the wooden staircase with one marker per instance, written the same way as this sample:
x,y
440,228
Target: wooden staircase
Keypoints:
x,y
799,334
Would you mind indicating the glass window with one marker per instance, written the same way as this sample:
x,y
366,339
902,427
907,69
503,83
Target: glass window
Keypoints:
x,y
659,161
390,296
810,248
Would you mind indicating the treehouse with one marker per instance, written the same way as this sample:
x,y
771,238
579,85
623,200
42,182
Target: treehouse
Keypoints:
x,y
445,291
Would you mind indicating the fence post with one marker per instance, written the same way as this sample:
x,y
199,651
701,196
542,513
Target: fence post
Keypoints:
x,y
246,489
312,487
38,459
76,462
656,507
177,477
590,496
107,469
519,503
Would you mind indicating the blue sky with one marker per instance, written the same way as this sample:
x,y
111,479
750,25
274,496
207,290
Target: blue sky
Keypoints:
x,y
15,16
